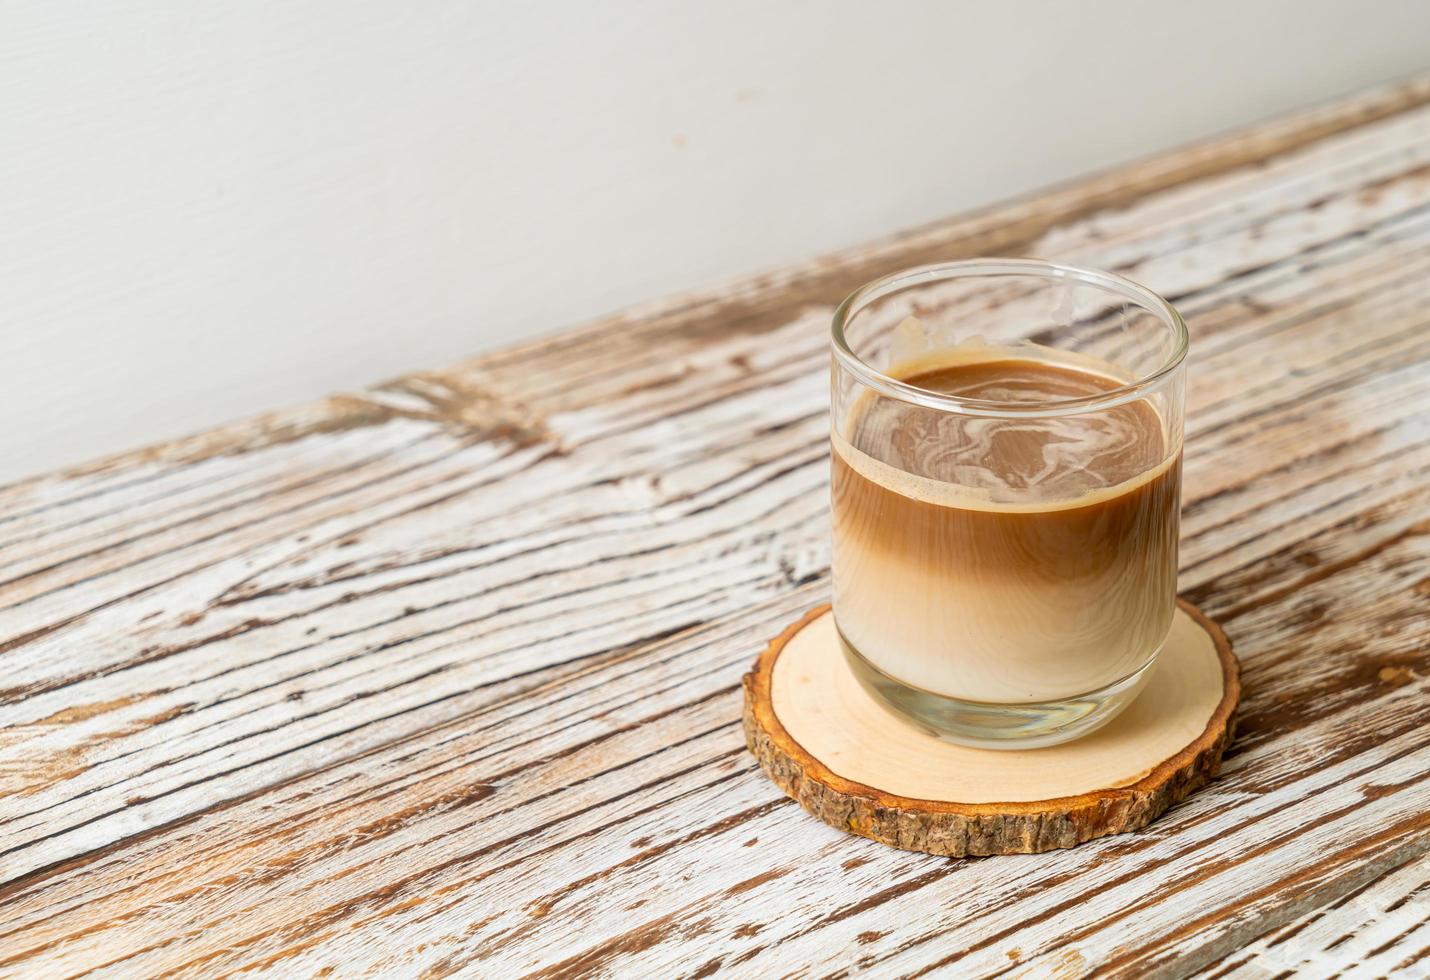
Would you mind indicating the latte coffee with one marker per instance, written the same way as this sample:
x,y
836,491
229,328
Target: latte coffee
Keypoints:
x,y
1004,560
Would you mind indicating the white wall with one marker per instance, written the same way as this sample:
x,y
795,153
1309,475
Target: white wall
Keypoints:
x,y
210,208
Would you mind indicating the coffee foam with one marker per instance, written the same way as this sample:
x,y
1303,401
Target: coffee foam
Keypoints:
x,y
1073,469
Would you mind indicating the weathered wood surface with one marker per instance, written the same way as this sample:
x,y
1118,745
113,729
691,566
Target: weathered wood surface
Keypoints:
x,y
1381,929
444,676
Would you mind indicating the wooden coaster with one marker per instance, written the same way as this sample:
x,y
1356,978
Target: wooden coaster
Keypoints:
x,y
853,764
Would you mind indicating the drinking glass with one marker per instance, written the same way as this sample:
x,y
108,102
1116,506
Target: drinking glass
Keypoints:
x,y
1006,474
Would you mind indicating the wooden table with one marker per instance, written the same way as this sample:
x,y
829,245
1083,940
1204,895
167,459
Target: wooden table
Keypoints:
x,y
442,677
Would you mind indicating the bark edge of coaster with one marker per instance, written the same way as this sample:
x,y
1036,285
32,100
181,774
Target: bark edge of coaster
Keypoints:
x,y
952,828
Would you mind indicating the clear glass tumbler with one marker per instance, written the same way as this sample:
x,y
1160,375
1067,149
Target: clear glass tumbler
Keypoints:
x,y
1006,480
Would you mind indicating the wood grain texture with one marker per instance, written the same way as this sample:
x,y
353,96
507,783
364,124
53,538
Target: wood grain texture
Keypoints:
x,y
443,677
1381,929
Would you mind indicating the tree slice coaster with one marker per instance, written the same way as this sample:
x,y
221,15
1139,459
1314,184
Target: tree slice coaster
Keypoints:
x,y
853,764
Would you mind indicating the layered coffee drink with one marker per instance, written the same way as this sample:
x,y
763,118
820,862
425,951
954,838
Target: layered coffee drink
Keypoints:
x,y
1017,560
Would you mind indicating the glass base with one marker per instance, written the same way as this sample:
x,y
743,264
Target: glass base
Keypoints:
x,y
998,726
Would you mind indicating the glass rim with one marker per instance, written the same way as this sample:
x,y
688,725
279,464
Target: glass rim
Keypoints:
x,y
892,387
